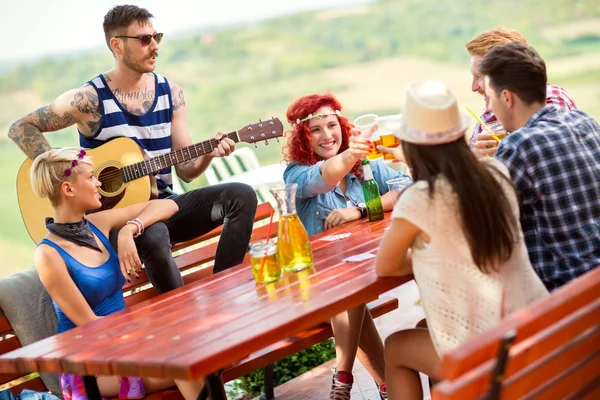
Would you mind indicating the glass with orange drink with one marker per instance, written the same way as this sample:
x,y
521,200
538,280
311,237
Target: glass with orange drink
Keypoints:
x,y
365,124
387,126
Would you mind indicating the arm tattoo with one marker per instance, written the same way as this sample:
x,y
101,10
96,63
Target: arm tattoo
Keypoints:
x,y
177,96
29,139
190,162
47,120
27,132
86,102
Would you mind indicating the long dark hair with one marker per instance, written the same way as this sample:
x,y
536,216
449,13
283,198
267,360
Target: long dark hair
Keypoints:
x,y
488,222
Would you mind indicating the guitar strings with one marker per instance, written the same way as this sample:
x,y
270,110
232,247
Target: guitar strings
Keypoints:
x,y
120,172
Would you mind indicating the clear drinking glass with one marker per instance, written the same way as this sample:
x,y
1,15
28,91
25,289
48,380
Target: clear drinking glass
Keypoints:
x,y
263,255
364,124
387,126
497,128
397,185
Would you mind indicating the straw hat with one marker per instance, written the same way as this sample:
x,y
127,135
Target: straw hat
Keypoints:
x,y
430,115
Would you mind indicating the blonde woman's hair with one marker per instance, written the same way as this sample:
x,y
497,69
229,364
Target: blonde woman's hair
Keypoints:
x,y
48,170
483,42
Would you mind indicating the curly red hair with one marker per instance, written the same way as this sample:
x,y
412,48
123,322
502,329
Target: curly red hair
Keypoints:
x,y
298,146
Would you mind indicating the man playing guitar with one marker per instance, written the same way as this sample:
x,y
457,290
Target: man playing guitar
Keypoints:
x,y
132,101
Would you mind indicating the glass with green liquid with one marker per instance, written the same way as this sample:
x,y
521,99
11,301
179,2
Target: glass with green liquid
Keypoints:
x,y
293,246
371,193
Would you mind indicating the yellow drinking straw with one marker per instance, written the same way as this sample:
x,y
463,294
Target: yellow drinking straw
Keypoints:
x,y
487,128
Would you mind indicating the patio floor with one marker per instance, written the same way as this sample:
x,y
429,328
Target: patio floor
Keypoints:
x,y
314,385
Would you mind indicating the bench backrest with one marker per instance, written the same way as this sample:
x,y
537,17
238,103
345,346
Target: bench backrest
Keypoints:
x,y
194,258
17,381
197,254
556,351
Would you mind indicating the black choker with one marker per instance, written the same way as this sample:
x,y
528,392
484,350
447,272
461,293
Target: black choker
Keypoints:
x,y
76,232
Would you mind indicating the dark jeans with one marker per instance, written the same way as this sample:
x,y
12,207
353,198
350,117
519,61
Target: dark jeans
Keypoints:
x,y
232,205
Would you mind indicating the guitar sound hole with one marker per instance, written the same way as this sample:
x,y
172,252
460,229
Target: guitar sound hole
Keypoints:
x,y
111,179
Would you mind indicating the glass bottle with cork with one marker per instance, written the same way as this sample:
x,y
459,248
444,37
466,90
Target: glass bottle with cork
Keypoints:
x,y
371,192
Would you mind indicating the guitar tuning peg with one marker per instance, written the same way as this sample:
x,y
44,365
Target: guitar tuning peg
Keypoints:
x,y
277,140
271,117
271,123
255,146
266,142
259,120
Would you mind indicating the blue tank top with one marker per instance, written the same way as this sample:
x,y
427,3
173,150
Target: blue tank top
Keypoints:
x,y
151,131
101,286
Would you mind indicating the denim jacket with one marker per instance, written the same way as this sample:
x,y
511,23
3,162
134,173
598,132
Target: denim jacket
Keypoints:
x,y
315,199
27,394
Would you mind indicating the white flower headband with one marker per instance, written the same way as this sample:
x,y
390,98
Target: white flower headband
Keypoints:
x,y
311,116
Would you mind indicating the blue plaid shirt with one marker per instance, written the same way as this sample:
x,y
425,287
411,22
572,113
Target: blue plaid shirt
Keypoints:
x,y
554,162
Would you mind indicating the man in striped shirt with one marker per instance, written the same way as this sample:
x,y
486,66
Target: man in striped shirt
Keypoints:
x,y
480,140
132,101
553,156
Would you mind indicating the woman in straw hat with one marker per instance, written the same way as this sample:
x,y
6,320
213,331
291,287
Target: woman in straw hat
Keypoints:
x,y
75,255
457,230
325,163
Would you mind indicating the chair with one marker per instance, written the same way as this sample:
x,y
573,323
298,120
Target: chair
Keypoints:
x,y
242,160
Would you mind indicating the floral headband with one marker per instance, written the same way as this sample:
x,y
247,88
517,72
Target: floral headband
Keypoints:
x,y
74,163
311,116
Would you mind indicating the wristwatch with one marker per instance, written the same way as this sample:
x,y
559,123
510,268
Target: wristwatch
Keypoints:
x,y
363,209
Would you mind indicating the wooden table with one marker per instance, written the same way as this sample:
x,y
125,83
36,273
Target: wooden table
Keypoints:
x,y
203,327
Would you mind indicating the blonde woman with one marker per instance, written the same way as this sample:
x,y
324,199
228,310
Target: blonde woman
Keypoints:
x,y
76,254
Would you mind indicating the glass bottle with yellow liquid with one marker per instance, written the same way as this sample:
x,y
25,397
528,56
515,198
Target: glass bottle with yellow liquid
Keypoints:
x,y
294,252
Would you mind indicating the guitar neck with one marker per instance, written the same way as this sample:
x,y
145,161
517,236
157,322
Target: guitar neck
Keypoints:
x,y
155,164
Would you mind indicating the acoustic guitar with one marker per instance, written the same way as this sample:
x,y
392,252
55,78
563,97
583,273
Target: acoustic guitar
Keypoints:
x,y
127,176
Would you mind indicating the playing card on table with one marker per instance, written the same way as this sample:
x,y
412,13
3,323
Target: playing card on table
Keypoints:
x,y
336,237
359,257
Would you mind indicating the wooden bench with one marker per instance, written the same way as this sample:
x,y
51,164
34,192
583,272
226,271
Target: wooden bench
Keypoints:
x,y
138,291
555,352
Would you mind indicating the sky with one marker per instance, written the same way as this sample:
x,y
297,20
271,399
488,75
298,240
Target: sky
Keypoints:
x,y
33,28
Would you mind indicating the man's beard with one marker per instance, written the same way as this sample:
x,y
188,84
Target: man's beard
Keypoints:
x,y
132,64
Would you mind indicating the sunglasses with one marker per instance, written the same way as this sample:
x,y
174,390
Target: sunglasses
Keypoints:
x,y
145,39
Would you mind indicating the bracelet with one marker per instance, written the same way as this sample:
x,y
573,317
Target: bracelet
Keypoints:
x,y
139,224
139,228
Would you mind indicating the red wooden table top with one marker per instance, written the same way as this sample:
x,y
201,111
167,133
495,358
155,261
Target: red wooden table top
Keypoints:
x,y
210,324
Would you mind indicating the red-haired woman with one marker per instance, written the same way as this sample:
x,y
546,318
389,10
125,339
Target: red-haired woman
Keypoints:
x,y
324,160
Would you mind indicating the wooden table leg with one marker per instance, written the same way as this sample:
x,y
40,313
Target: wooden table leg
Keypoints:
x,y
91,387
269,386
215,387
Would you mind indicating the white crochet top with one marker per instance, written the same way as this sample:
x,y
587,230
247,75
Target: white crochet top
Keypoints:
x,y
459,300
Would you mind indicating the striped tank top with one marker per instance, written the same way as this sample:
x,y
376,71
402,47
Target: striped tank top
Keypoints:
x,y
151,131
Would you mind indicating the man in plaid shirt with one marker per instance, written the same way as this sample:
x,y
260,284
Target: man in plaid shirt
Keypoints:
x,y
477,48
553,157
